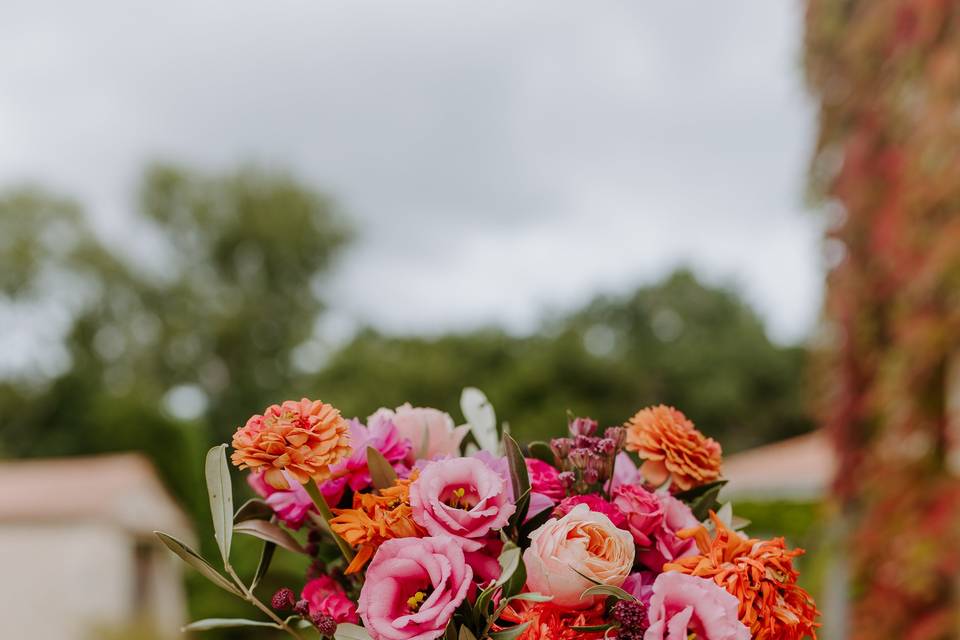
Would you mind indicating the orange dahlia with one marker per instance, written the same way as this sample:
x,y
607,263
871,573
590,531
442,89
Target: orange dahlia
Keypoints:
x,y
375,518
301,438
760,574
550,622
672,447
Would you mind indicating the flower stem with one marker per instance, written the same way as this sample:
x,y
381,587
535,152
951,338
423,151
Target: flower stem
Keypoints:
x,y
321,503
252,599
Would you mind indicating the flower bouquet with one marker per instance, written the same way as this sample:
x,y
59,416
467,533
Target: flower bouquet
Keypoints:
x,y
417,529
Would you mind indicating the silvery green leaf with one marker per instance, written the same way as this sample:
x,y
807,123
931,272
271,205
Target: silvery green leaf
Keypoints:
x,y
482,419
254,509
221,497
347,631
466,634
511,633
227,623
531,597
606,590
269,532
194,559
266,557
725,513
382,474
509,561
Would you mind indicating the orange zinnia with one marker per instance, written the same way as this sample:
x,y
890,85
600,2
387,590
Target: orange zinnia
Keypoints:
x,y
302,438
375,518
760,574
671,446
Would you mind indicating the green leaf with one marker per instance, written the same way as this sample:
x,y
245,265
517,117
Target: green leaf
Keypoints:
x,y
450,633
266,557
519,479
270,532
482,605
707,502
509,561
381,473
255,509
542,451
607,590
531,597
690,495
481,417
586,577
221,497
466,634
227,623
347,631
194,559
594,628
323,518
511,633
533,524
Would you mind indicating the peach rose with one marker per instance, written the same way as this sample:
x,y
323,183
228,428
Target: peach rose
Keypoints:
x,y
581,541
672,447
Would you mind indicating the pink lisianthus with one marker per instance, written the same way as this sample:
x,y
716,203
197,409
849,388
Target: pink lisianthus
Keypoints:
x,y
643,510
326,596
431,431
640,586
291,505
462,498
682,604
412,588
538,500
545,479
624,471
666,545
381,434
594,503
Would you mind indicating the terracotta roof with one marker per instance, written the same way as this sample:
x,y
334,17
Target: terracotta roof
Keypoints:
x,y
798,468
122,489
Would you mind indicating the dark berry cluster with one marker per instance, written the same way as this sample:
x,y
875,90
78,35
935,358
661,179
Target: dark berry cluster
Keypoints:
x,y
587,458
632,617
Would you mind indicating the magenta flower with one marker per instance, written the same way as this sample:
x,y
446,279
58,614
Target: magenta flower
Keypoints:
x,y
682,604
412,588
291,505
594,503
545,479
381,434
462,498
643,510
640,585
325,596
666,545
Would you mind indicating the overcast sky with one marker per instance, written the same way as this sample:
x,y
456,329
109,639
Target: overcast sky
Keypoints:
x,y
501,159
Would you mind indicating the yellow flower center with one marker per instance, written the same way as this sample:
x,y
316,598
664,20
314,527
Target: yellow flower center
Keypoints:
x,y
416,600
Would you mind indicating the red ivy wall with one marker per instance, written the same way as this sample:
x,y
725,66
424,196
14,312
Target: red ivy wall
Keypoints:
x,y
887,77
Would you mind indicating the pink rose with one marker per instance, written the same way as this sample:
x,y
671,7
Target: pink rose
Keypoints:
x,y
382,435
595,503
545,479
643,511
412,588
683,604
431,432
567,555
461,498
326,596
291,505
666,545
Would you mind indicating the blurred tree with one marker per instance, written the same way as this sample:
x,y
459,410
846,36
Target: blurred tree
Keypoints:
x,y
679,342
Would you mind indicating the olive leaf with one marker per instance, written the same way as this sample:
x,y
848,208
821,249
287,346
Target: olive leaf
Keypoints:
x,y
607,590
196,561
481,417
220,492
227,623
382,473
269,532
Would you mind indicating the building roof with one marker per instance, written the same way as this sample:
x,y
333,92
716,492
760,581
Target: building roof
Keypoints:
x,y
121,489
796,469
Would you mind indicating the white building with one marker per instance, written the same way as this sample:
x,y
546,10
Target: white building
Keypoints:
x,y
77,550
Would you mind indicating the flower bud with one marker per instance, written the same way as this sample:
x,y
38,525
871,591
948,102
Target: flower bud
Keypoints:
x,y
583,427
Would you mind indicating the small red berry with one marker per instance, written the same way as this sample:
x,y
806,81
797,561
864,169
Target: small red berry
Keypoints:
x,y
325,624
283,599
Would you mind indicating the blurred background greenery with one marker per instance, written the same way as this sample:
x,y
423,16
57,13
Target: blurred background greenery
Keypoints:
x,y
170,361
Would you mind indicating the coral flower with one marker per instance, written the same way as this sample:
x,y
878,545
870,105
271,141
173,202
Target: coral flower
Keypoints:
x,y
550,622
672,447
760,574
302,438
375,518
